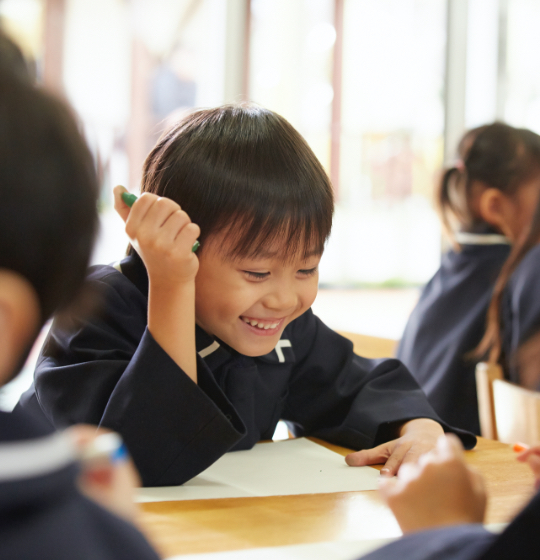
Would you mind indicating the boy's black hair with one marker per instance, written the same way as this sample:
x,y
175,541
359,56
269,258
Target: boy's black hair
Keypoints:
x,y
245,172
48,188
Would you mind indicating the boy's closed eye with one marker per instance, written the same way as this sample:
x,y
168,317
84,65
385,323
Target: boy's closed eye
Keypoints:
x,y
256,275
307,272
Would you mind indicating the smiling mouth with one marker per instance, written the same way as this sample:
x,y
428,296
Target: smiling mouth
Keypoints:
x,y
261,324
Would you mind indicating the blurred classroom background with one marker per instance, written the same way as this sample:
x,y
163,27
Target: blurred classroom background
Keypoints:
x,y
382,90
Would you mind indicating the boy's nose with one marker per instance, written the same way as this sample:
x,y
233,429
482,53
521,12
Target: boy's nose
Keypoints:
x,y
281,299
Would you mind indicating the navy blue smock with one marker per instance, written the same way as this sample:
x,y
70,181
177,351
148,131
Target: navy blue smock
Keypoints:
x,y
110,371
448,323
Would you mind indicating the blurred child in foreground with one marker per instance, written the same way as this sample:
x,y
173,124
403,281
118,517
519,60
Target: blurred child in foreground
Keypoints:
x,y
48,196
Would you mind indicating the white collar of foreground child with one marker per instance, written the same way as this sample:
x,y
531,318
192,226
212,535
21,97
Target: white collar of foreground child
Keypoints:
x,y
35,457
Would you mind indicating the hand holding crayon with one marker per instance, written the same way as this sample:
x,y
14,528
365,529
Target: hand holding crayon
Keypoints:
x,y
130,199
161,232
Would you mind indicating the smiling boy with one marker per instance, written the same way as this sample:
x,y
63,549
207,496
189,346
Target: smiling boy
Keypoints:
x,y
197,354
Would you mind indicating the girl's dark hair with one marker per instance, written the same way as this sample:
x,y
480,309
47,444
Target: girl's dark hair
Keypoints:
x,y
492,340
246,173
497,155
48,189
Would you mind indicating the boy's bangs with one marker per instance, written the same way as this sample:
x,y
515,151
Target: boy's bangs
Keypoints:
x,y
276,235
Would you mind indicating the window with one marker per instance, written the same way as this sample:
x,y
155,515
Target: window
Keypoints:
x,y
381,90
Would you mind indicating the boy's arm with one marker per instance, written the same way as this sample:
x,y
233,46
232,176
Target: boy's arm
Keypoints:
x,y
163,235
358,403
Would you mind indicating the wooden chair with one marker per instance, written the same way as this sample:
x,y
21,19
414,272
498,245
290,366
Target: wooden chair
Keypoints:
x,y
485,375
371,346
508,412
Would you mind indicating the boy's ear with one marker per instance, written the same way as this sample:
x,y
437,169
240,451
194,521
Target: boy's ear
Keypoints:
x,y
495,208
19,320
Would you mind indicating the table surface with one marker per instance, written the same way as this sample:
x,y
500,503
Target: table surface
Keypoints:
x,y
196,526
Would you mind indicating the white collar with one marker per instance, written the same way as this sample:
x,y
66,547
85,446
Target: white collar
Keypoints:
x,y
209,349
35,457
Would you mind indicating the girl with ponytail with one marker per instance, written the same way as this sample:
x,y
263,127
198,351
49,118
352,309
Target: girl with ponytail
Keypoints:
x,y
486,201
512,337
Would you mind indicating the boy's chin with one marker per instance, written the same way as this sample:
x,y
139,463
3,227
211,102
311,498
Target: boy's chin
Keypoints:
x,y
256,350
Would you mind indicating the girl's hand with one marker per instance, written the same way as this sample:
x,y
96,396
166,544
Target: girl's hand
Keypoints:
x,y
417,437
440,489
163,235
532,456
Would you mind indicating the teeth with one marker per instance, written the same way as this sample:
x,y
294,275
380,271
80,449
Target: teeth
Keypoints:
x,y
260,325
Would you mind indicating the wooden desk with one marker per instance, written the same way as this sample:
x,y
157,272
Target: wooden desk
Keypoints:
x,y
231,524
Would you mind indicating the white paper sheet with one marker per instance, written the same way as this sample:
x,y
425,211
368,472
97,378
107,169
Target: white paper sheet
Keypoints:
x,y
294,466
337,550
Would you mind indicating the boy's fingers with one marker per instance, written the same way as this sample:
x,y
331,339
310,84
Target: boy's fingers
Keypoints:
x,y
174,224
189,235
138,213
119,205
399,454
373,456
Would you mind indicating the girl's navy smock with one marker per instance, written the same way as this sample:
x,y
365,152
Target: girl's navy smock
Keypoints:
x,y
448,323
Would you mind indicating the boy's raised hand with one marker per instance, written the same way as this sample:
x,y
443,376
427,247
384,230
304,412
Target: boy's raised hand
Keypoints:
x,y
438,490
163,235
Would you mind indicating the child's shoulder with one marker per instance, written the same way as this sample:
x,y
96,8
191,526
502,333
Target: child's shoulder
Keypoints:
x,y
119,287
106,273
128,274
476,255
